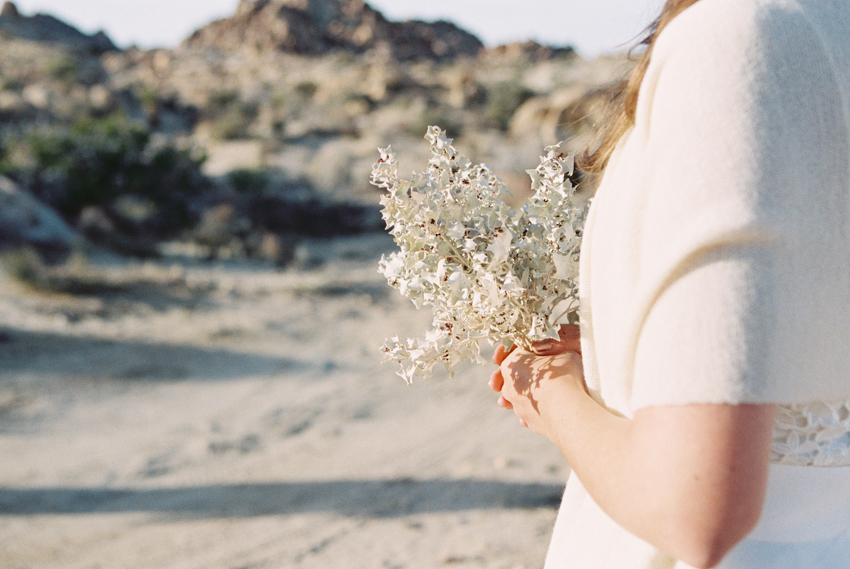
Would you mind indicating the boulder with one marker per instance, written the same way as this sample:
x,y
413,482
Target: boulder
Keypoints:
x,y
25,222
227,156
272,248
219,225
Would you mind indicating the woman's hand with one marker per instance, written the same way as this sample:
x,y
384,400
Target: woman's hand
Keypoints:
x,y
533,382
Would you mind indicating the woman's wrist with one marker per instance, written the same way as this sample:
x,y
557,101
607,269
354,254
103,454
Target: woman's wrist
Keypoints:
x,y
564,401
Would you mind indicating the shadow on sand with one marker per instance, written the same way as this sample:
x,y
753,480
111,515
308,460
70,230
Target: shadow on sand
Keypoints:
x,y
357,498
120,359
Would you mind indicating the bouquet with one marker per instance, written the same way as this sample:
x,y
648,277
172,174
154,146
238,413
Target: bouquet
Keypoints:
x,y
488,271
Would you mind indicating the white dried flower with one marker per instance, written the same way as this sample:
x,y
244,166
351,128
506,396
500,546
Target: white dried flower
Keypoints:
x,y
489,272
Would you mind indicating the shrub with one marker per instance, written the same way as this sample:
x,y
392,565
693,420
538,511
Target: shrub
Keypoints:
x,y
229,116
248,181
66,67
235,122
25,267
94,162
221,100
11,84
437,115
503,99
294,100
146,96
306,89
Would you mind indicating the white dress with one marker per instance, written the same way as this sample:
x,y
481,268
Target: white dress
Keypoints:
x,y
715,267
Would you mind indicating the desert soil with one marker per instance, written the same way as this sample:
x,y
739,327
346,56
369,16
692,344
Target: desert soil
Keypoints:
x,y
178,414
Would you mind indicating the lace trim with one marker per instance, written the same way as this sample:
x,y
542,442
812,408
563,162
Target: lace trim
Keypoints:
x,y
812,434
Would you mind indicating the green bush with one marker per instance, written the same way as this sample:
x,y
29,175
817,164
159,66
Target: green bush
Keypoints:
x,y
229,116
146,96
307,89
235,122
94,162
220,100
249,181
292,101
26,267
11,84
503,99
66,67
435,115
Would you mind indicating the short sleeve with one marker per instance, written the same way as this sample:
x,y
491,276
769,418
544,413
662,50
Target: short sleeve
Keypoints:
x,y
743,292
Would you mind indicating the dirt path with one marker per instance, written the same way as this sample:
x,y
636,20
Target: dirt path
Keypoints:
x,y
178,415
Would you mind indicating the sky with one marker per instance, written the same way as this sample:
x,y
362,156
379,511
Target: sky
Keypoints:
x,y
591,26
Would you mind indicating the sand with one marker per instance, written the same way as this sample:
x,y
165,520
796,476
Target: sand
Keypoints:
x,y
179,414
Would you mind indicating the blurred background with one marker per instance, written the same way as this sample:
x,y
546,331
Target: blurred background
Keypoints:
x,y
190,309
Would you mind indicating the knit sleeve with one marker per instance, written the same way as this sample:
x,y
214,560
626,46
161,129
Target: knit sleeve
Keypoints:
x,y
744,286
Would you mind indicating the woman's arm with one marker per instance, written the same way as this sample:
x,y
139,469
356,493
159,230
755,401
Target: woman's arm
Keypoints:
x,y
689,479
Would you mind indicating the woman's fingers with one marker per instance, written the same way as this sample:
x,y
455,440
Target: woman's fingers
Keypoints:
x,y
501,353
569,340
497,381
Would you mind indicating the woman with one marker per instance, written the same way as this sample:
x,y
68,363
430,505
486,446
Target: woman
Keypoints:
x,y
704,410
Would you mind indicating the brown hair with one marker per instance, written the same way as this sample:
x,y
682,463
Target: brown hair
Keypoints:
x,y
624,96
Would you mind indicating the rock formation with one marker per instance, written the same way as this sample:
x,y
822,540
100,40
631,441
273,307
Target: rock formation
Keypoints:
x,y
315,27
25,221
44,28
529,51
9,10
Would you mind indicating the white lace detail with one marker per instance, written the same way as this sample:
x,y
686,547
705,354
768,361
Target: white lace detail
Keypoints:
x,y
812,434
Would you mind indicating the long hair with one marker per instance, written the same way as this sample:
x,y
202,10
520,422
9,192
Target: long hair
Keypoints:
x,y
624,97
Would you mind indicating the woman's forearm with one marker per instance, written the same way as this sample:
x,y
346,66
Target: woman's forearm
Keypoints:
x,y
683,478
689,479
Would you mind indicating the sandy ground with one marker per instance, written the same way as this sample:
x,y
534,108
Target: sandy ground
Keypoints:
x,y
175,414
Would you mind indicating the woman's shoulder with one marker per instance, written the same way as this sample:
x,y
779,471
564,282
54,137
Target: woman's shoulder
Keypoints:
x,y
745,48
731,29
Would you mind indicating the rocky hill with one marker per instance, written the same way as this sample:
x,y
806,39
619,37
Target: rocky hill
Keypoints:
x,y
46,28
318,27
278,108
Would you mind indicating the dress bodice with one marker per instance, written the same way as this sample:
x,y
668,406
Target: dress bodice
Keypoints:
x,y
812,434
